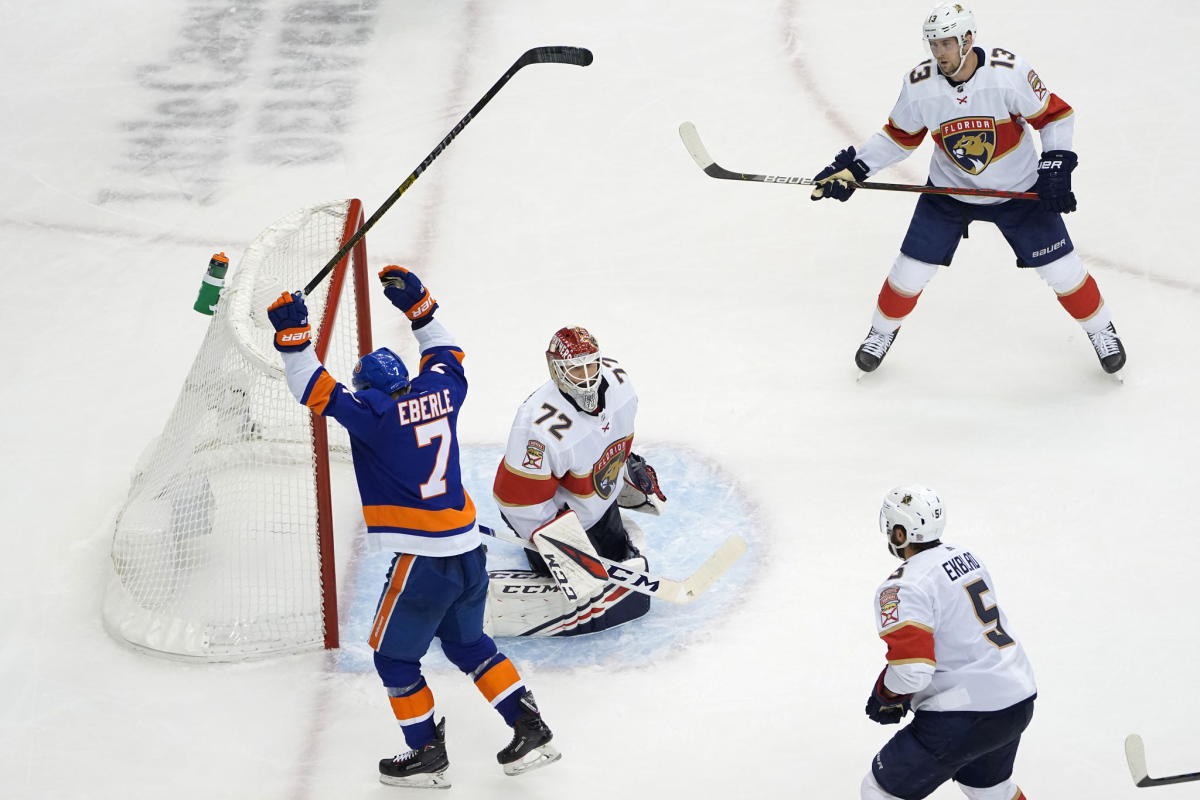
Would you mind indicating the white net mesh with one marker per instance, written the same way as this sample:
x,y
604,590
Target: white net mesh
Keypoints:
x,y
215,551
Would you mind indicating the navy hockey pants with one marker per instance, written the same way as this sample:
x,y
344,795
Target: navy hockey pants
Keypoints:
x,y
1036,236
975,748
424,597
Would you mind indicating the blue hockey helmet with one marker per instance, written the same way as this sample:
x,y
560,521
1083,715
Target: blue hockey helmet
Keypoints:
x,y
382,370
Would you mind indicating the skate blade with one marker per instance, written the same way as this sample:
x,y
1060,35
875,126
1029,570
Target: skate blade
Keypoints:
x,y
534,759
424,780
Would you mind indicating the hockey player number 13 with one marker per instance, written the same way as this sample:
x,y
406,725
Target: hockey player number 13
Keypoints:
x,y
987,615
438,429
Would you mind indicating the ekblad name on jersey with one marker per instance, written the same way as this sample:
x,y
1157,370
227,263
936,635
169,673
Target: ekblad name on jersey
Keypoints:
x,y
405,450
980,128
558,455
948,640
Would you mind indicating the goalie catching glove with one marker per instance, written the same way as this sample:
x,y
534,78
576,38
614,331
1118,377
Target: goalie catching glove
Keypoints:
x,y
835,179
405,291
641,483
289,316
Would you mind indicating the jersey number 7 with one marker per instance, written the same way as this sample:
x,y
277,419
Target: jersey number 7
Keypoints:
x,y
438,429
987,615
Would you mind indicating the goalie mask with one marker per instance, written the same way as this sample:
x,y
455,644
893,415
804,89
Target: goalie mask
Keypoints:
x,y
574,361
919,513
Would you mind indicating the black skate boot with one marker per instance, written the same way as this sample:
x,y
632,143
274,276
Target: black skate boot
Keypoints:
x,y
1109,349
419,769
871,352
530,746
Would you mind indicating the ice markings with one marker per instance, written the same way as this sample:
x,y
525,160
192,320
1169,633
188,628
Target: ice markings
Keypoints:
x,y
705,509
313,82
222,97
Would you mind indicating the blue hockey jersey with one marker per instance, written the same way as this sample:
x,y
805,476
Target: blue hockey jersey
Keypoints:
x,y
405,450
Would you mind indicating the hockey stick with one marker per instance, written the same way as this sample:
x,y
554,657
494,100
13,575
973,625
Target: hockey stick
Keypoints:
x,y
1135,753
539,55
691,140
678,592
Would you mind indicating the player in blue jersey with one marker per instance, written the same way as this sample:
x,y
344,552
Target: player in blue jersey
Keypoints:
x,y
403,440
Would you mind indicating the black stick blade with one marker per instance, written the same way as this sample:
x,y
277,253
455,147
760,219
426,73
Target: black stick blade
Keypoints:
x,y
559,54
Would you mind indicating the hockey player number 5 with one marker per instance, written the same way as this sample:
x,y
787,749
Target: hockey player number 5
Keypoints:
x,y
438,429
987,615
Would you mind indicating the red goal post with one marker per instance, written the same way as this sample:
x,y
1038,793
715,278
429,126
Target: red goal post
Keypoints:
x,y
224,547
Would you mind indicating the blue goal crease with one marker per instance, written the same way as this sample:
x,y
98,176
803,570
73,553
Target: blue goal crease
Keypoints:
x,y
704,509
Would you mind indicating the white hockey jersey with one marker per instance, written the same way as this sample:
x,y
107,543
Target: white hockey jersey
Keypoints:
x,y
560,457
980,127
948,641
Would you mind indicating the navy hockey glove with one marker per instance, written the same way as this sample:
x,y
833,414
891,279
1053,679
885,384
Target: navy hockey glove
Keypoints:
x,y
407,293
835,178
289,316
887,710
1054,181
643,477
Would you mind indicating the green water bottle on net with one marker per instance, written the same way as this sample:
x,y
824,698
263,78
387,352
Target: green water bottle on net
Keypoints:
x,y
214,281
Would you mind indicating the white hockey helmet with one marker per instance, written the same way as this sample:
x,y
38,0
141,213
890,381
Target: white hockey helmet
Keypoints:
x,y
573,357
951,20
915,508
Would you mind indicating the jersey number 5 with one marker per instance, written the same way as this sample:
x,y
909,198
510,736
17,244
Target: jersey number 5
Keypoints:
x,y
438,429
987,615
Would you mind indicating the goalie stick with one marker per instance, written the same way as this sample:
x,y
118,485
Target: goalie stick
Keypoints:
x,y
578,56
691,140
678,592
1135,754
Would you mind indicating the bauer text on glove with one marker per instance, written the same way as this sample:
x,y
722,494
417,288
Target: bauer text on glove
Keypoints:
x,y
406,292
289,316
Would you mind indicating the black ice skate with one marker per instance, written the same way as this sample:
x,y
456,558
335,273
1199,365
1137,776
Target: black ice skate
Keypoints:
x,y
530,746
419,769
871,352
1109,349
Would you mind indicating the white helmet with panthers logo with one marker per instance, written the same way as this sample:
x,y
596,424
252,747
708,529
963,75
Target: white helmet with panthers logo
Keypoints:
x,y
917,510
951,21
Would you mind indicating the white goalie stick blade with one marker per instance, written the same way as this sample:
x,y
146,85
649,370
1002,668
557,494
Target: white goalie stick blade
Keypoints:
x,y
1135,754
678,592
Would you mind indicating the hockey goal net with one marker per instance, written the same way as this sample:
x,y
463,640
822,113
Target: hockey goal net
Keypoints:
x,y
224,547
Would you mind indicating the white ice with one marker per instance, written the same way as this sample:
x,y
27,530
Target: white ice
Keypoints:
x,y
735,307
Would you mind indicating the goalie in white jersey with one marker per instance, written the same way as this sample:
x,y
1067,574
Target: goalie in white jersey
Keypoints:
x,y
952,658
981,106
570,449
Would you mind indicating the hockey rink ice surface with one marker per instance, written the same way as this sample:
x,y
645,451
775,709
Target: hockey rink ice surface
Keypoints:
x,y
735,308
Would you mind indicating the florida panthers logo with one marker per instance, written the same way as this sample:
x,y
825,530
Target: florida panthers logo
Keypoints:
x,y
606,474
970,142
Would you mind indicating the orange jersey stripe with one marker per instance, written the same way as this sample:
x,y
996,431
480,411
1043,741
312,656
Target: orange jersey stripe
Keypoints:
x,y
516,488
318,397
1054,110
908,643
909,141
420,519
413,708
496,682
394,590
459,354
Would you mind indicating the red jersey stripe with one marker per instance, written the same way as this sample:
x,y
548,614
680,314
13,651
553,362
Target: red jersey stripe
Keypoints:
x,y
909,643
1054,110
516,488
909,141
578,485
